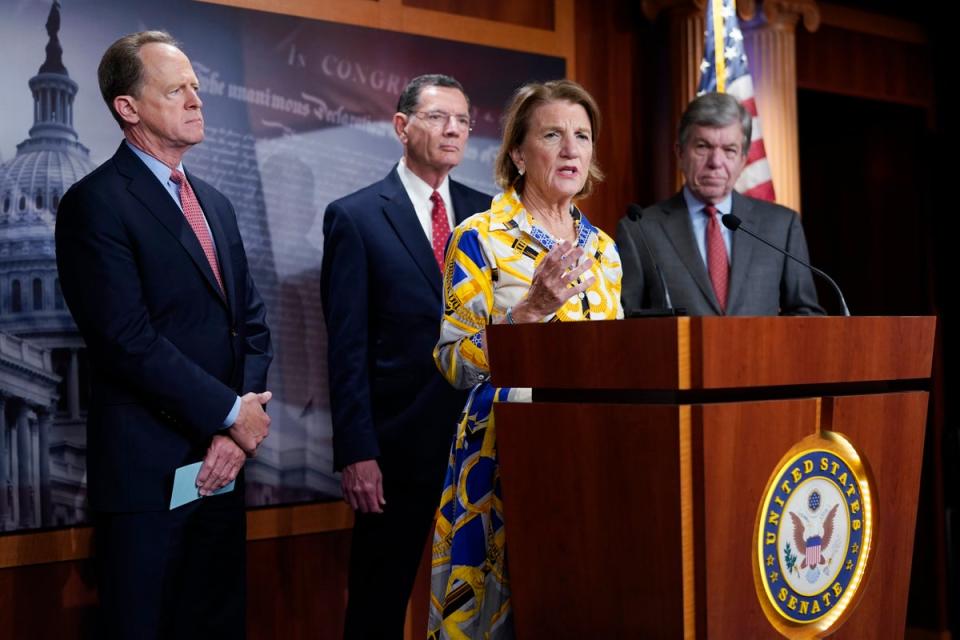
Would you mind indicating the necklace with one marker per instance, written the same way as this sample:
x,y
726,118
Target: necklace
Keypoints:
x,y
562,228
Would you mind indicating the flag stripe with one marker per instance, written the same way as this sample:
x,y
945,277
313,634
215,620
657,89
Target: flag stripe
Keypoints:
x,y
763,191
757,152
753,174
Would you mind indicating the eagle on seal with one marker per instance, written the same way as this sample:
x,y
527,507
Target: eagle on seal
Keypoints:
x,y
810,546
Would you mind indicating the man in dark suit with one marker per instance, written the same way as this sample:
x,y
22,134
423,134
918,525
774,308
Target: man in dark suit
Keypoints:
x,y
153,269
708,270
393,414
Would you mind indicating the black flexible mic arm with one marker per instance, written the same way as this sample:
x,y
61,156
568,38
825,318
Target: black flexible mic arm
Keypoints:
x,y
733,223
635,213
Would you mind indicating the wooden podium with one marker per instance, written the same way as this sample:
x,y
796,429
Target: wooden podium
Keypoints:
x,y
632,482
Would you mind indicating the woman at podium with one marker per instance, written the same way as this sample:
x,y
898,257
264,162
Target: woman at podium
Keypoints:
x,y
533,257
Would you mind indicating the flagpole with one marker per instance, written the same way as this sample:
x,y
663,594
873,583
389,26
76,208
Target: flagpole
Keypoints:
x,y
718,36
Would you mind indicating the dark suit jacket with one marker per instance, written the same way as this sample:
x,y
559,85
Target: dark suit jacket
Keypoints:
x,y
169,354
381,290
763,282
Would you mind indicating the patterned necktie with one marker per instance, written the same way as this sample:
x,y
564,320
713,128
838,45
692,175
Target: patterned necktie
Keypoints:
x,y
194,215
441,227
717,263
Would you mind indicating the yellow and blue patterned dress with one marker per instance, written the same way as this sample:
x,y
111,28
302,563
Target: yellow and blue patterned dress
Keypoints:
x,y
489,267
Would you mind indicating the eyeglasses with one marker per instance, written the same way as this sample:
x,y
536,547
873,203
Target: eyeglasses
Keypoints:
x,y
439,119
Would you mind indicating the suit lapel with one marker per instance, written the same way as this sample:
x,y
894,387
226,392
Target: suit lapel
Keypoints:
x,y
461,204
402,217
741,249
145,187
677,228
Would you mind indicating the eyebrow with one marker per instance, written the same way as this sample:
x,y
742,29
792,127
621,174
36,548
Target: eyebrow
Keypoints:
x,y
724,145
552,126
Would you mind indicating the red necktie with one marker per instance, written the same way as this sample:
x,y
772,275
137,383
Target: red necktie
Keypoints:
x,y
441,227
717,263
194,215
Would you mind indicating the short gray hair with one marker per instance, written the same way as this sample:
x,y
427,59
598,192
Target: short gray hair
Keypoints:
x,y
121,71
716,110
410,98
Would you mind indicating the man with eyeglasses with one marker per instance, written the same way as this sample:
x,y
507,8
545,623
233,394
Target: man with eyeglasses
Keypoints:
x,y
393,414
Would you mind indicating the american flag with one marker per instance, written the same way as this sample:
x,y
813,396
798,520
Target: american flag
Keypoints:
x,y
724,69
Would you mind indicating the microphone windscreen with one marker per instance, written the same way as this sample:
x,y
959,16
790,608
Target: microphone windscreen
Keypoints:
x,y
730,221
634,212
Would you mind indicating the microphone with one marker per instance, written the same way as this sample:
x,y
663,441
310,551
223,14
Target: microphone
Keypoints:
x,y
733,223
635,213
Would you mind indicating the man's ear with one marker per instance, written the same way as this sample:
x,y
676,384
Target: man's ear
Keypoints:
x,y
126,108
400,121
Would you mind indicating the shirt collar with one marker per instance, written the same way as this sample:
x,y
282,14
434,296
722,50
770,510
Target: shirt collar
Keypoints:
x,y
695,206
156,167
507,212
417,188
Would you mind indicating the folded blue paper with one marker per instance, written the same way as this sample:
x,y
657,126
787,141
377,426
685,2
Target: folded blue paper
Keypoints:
x,y
185,485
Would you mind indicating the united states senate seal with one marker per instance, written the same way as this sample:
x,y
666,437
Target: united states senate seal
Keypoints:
x,y
813,536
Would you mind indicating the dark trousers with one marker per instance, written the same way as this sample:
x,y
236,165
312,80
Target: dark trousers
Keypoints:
x,y
386,549
173,574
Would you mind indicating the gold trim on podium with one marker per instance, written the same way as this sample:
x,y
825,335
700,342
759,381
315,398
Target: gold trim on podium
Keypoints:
x,y
684,366
687,537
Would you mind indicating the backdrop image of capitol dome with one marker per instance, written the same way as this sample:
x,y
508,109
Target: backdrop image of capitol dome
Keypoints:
x,y
297,113
42,359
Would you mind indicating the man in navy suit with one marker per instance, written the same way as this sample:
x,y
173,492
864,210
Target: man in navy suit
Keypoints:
x,y
153,269
393,414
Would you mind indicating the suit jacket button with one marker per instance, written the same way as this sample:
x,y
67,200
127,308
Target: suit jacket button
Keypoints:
x,y
233,332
